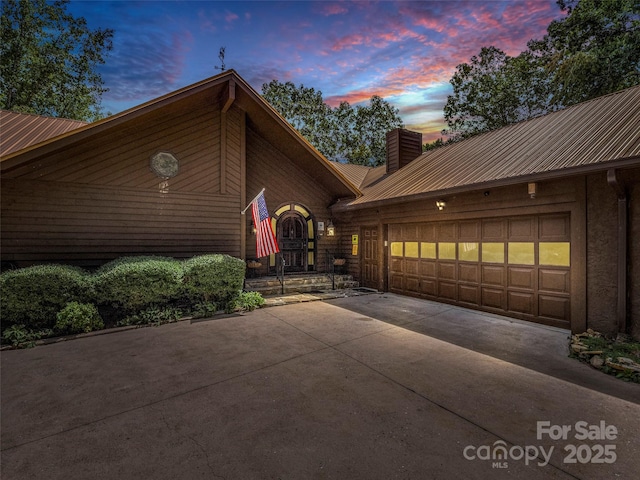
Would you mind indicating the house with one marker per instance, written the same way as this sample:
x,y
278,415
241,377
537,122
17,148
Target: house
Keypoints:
x,y
537,221
169,177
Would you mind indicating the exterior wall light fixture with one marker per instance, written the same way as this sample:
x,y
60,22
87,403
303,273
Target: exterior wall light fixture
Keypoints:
x,y
532,189
331,230
440,204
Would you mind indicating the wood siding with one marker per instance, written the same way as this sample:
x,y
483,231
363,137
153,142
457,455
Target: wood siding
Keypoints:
x,y
65,223
285,183
403,146
99,200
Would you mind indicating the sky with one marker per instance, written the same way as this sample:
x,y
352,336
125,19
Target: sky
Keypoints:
x,y
406,52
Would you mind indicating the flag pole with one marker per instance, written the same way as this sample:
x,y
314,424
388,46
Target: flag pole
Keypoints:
x,y
254,199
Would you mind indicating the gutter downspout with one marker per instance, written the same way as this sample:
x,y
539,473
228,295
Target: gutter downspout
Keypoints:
x,y
618,187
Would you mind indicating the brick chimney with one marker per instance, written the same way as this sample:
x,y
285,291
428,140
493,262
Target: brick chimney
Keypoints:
x,y
403,146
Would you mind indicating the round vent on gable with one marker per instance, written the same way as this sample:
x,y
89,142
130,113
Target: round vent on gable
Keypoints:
x,y
164,164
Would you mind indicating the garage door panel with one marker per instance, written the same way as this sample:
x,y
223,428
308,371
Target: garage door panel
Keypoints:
x,y
469,294
396,265
428,232
554,307
494,230
447,290
447,231
520,302
521,278
447,271
469,273
427,269
553,228
412,284
470,231
521,228
554,280
494,298
396,282
493,275
429,287
410,233
411,266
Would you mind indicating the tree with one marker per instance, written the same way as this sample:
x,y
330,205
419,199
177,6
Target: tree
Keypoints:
x,y
48,60
356,135
593,51
495,90
304,109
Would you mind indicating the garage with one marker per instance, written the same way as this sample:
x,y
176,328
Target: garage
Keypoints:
x,y
519,266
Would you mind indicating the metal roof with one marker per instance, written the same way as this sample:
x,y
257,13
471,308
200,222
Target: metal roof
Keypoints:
x,y
592,134
21,130
354,173
360,175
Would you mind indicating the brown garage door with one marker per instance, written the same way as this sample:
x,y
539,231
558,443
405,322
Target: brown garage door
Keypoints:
x,y
518,266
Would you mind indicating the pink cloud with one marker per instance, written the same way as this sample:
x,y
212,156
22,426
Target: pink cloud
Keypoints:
x,y
230,17
329,9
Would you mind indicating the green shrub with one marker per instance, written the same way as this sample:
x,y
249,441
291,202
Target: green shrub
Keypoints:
x,y
107,267
204,309
132,284
248,301
213,278
79,318
18,336
33,296
153,315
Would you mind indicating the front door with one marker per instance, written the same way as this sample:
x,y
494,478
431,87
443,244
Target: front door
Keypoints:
x,y
371,270
292,238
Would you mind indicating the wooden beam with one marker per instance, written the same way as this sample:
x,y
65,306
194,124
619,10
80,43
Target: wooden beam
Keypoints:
x,y
229,96
223,153
243,184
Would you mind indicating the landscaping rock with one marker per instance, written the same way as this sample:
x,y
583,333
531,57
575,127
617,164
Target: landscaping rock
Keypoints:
x,y
596,361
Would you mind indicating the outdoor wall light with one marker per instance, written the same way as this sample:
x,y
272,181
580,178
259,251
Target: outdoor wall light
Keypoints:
x,y
331,230
254,230
440,204
532,189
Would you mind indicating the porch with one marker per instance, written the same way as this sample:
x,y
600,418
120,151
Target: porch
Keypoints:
x,y
308,282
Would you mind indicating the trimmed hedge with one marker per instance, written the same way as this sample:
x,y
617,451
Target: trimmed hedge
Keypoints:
x,y
33,296
213,278
131,284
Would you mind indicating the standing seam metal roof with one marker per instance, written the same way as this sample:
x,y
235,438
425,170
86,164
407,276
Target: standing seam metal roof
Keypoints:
x,y
21,130
590,133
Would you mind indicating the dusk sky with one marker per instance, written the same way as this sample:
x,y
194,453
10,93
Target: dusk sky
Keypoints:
x,y
403,51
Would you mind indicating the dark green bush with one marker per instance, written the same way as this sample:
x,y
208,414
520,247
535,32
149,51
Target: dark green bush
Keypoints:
x,y
33,296
213,278
132,284
79,318
203,309
153,315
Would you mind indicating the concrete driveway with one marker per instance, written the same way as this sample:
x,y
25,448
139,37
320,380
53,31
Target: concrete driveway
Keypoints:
x,y
316,390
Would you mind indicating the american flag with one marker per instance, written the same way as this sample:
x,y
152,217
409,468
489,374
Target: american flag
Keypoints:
x,y
265,239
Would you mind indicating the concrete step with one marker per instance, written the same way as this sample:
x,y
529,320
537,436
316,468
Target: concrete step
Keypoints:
x,y
298,284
